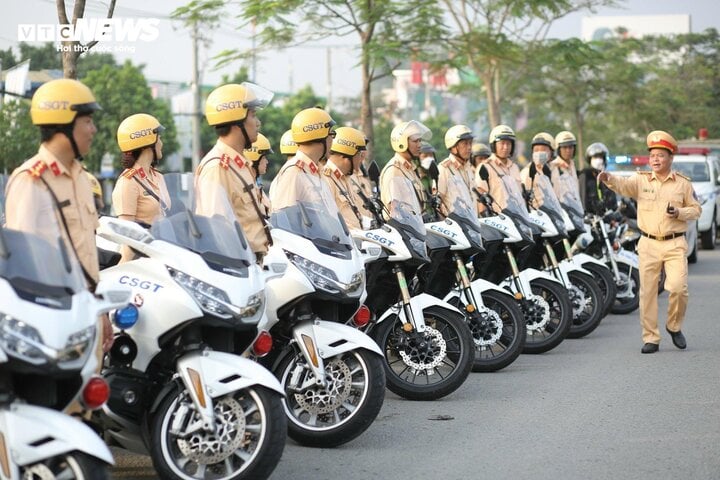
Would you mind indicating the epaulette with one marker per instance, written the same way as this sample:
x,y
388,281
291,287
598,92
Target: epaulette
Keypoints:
x,y
683,176
37,169
327,171
129,173
644,172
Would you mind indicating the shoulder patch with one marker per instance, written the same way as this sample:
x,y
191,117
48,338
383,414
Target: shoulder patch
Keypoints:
x,y
327,171
37,169
683,176
300,164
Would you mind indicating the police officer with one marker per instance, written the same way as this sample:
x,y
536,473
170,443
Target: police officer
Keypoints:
x,y
596,197
257,154
406,139
63,110
455,178
666,202
500,165
96,190
543,146
480,153
299,180
288,147
345,155
232,110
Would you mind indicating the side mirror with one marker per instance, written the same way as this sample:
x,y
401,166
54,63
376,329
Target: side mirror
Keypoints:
x,y
482,172
374,172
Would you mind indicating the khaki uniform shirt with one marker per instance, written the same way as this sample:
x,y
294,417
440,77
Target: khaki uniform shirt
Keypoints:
x,y
344,194
454,174
233,172
285,189
400,167
653,196
132,199
362,183
74,193
537,194
496,169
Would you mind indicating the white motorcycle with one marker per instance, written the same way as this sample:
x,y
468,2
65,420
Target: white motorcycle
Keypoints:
x,y
179,392
332,373
428,347
585,294
49,336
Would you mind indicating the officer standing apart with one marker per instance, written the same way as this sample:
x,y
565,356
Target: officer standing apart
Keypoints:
x,y
666,201
232,110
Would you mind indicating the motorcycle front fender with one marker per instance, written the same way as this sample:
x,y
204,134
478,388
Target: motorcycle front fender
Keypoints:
x,y
478,287
418,304
627,257
34,434
210,374
568,266
584,258
333,338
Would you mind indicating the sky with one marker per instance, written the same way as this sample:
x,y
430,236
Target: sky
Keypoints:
x,y
168,57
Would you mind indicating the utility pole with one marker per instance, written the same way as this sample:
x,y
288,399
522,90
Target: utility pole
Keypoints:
x,y
195,87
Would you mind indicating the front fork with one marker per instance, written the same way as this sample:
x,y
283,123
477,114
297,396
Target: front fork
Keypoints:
x,y
472,303
555,266
414,318
522,288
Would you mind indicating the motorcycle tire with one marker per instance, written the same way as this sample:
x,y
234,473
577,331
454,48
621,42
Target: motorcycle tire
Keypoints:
x,y
196,454
73,466
604,278
558,310
495,348
631,277
340,411
447,343
587,303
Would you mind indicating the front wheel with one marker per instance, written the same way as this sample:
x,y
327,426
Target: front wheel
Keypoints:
x,y
246,441
548,315
498,331
428,365
72,466
627,299
587,304
605,280
332,414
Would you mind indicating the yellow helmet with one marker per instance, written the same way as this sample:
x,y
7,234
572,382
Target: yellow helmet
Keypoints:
x,y
348,141
400,135
138,131
230,103
543,138
502,132
260,147
311,124
287,144
457,133
565,139
480,150
58,102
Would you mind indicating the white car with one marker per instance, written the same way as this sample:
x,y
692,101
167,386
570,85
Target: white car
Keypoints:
x,y
704,172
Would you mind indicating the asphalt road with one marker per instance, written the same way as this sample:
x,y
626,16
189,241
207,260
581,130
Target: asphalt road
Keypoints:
x,y
593,408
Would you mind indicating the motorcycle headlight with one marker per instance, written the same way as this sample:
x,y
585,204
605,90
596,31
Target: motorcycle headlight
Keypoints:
x,y
78,346
21,340
211,299
325,279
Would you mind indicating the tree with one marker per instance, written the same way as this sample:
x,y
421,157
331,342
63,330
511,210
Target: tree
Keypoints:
x,y
389,32
72,49
493,35
122,92
19,138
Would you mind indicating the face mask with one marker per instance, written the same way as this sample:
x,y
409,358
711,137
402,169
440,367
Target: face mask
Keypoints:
x,y
597,163
540,157
426,162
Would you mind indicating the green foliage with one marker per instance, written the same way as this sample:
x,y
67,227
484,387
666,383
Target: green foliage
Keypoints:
x,y
91,61
19,138
438,125
42,57
123,91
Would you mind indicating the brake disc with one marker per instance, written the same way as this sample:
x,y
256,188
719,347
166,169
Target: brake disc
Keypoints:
x,y
39,471
319,399
490,328
537,315
578,299
433,343
213,447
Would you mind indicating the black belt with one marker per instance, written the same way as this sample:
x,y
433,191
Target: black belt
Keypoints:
x,y
669,236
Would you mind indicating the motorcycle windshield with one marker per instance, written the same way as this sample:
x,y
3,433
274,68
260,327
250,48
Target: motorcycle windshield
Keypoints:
x,y
313,222
516,208
568,195
210,231
35,256
548,201
405,206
